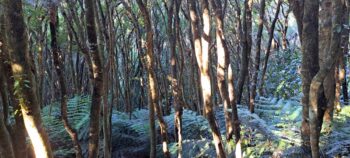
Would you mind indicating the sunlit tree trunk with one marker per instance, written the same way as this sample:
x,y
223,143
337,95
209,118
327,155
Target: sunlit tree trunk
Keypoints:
x,y
222,66
23,75
202,55
97,70
57,57
152,80
326,69
256,65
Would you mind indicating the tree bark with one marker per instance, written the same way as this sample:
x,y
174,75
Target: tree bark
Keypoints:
x,y
329,84
23,75
326,68
297,7
257,56
97,70
309,65
203,55
6,147
152,80
223,59
57,57
247,46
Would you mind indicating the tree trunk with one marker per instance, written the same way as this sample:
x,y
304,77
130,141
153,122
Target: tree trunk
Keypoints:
x,y
329,84
202,55
247,46
176,91
57,57
344,61
297,7
269,44
23,75
222,66
257,57
152,81
309,66
17,132
97,70
326,69
6,148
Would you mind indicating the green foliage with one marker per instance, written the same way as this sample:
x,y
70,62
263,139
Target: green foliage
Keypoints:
x,y
78,117
283,79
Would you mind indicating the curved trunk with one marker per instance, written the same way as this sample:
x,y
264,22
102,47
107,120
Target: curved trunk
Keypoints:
x,y
152,80
334,52
57,58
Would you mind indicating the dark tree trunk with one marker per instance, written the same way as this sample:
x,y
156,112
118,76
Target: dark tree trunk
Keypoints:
x,y
57,57
23,74
247,46
97,75
269,44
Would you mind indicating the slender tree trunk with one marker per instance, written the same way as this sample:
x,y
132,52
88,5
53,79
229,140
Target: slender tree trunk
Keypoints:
x,y
57,57
222,66
97,70
176,91
26,89
257,56
247,46
202,55
152,81
343,61
269,44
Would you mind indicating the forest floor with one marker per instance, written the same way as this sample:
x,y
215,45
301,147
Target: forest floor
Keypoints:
x,y
273,130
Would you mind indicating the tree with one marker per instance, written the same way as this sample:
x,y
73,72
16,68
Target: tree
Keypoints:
x,y
97,70
309,66
326,68
247,46
6,147
203,59
257,56
23,74
269,44
57,57
152,81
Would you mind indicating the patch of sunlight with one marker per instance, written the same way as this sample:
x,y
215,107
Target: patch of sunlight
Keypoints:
x,y
17,68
